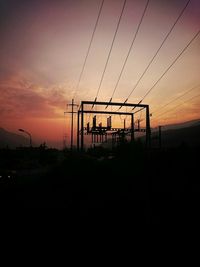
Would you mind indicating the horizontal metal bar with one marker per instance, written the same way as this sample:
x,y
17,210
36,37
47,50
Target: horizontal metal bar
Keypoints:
x,y
104,128
107,112
113,104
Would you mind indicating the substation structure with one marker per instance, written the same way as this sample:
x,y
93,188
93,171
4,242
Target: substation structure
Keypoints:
x,y
100,133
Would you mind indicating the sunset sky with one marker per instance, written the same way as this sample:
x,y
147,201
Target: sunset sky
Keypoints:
x,y
43,48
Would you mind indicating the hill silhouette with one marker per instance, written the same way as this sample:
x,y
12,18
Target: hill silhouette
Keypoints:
x,y
12,140
188,135
175,135
183,124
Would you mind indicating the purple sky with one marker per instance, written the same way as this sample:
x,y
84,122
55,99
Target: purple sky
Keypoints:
x,y
43,46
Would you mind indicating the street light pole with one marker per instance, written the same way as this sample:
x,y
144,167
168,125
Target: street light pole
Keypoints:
x,y
30,138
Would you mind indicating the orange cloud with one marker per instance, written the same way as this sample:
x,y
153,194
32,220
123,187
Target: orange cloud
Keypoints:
x,y
21,99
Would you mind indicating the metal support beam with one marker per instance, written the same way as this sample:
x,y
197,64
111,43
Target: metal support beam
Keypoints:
x,y
107,112
78,129
95,137
113,104
82,126
72,124
132,128
148,129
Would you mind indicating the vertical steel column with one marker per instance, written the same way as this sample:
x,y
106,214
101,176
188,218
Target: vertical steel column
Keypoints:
x,y
132,128
72,124
78,130
148,128
82,126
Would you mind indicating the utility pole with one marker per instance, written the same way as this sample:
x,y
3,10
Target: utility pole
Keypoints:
x,y
72,120
124,124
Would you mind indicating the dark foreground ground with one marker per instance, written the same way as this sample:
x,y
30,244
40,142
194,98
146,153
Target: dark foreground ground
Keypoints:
x,y
151,186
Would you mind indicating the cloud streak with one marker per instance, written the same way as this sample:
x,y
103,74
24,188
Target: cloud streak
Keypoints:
x,y
21,98
43,45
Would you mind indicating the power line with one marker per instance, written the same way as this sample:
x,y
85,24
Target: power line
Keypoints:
x,y
164,40
175,99
170,66
111,47
129,51
196,96
89,47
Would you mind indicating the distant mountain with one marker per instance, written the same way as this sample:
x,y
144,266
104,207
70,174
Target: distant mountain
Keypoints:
x,y
172,135
12,140
188,133
182,125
